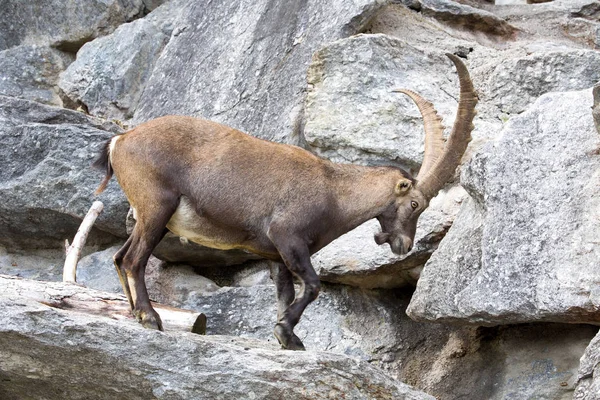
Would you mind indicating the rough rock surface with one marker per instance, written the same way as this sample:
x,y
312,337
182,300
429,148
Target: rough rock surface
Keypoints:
x,y
448,362
116,85
588,379
31,72
516,83
250,72
40,264
524,247
46,182
69,355
61,24
465,17
110,73
352,115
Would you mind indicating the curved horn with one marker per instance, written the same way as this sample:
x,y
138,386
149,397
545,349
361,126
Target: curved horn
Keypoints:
x,y
435,178
434,131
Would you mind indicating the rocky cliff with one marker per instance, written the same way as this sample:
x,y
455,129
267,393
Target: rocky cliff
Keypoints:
x,y
500,296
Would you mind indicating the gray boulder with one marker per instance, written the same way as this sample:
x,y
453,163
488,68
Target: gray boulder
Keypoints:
x,y
109,74
63,24
250,72
167,284
97,271
46,182
588,378
515,83
60,24
448,362
467,18
352,115
40,264
31,72
523,248
72,355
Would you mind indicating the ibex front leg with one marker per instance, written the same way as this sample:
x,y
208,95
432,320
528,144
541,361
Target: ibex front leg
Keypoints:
x,y
296,257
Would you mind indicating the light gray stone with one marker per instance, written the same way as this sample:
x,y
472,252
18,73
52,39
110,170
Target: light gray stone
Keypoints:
x,y
516,83
584,31
109,73
465,17
31,72
175,284
524,247
46,182
250,72
355,259
352,115
71,355
253,273
537,360
62,24
43,264
97,271
588,378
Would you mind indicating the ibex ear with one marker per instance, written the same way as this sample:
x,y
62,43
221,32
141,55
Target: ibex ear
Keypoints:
x,y
402,187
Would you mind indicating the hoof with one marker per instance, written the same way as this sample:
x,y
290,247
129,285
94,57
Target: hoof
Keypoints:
x,y
149,320
288,340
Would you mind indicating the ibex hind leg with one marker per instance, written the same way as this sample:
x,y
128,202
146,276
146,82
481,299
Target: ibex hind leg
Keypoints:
x,y
147,233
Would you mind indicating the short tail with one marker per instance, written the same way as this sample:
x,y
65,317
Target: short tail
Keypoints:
x,y
103,164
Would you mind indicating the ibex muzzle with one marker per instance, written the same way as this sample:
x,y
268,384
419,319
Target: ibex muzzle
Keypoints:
x,y
224,189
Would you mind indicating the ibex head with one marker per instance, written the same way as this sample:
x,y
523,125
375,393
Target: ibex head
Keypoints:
x,y
399,220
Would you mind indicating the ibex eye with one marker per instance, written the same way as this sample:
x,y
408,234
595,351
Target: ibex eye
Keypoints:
x,y
404,185
414,204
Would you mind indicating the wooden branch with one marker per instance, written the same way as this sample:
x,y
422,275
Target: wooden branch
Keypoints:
x,y
74,251
73,297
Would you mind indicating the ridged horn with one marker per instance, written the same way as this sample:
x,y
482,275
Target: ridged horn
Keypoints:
x,y
434,131
431,180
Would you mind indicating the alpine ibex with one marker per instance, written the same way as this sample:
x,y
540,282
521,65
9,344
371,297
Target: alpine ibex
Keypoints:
x,y
224,189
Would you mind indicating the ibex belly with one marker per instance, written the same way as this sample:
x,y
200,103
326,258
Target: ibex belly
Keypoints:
x,y
186,223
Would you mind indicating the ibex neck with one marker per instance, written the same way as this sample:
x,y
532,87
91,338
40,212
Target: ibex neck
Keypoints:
x,y
364,192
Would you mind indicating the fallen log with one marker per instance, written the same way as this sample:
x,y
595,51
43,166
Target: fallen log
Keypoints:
x,y
74,297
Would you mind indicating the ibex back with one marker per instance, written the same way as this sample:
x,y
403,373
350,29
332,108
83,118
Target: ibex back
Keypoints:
x,y
224,189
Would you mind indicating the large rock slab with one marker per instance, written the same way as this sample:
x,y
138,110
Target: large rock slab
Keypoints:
x,y
63,24
588,379
524,247
46,182
352,115
109,74
31,72
250,72
71,355
514,84
465,17
537,360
